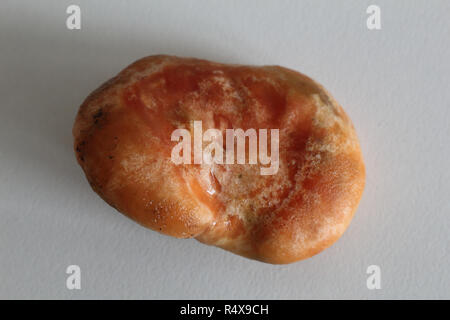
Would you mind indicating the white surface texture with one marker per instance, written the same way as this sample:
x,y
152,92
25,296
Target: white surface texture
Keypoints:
x,y
394,83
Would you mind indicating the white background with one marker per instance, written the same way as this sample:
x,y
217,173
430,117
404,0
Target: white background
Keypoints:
x,y
394,84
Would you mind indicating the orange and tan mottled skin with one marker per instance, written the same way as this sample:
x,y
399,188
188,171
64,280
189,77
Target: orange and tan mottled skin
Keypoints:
x,y
122,141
